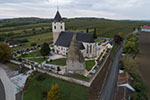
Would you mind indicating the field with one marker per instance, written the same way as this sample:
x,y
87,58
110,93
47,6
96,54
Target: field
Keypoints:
x,y
144,56
36,90
37,30
38,39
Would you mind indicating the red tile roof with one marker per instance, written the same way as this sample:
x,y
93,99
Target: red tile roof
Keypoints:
x,y
123,78
145,27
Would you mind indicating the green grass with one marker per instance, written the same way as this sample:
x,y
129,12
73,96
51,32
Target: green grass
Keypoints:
x,y
69,91
114,49
33,54
89,64
39,60
98,40
79,77
61,62
38,39
105,28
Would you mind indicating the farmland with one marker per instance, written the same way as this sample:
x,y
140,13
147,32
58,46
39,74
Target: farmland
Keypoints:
x,y
38,31
144,56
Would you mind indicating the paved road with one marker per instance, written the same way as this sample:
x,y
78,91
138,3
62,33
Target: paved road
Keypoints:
x,y
8,86
2,91
108,89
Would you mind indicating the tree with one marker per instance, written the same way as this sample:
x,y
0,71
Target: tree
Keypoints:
x,y
131,47
54,93
45,50
5,52
94,34
130,64
121,34
118,39
87,30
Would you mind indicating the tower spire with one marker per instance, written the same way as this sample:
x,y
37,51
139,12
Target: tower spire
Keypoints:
x,y
57,8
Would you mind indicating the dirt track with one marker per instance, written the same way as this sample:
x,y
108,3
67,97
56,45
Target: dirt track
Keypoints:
x,y
144,56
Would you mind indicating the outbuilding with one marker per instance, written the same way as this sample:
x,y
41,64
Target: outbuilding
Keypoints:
x,y
145,28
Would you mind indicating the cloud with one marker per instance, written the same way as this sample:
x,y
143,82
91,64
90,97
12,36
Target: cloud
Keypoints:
x,y
114,9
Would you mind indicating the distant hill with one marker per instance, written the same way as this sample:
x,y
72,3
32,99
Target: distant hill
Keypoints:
x,y
19,27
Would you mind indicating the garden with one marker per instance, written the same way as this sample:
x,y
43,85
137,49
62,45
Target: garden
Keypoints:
x,y
69,91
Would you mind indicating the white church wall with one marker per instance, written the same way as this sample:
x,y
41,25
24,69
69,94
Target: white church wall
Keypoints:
x,y
90,50
58,26
86,52
60,50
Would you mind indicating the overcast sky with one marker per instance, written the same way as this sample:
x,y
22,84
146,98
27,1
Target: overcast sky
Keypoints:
x,y
112,9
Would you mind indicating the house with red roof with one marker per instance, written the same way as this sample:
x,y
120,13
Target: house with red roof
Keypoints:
x,y
145,28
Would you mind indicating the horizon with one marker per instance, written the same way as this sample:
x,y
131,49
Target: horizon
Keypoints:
x,y
79,17
132,9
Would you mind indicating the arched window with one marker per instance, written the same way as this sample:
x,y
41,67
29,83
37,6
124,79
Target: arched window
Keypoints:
x,y
87,49
90,48
54,27
61,27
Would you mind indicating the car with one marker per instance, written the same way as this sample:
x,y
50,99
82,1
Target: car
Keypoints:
x,y
93,71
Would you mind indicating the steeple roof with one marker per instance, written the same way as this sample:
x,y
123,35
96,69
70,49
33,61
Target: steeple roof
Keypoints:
x,y
57,17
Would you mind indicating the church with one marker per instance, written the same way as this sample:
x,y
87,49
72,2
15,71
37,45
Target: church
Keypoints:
x,y
62,39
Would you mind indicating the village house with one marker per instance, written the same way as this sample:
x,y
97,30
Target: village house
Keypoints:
x,y
124,88
145,28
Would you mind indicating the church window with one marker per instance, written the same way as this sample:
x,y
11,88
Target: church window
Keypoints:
x,y
54,27
87,49
90,48
61,27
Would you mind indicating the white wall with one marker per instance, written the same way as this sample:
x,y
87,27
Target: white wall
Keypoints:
x,y
145,30
94,50
60,50
58,26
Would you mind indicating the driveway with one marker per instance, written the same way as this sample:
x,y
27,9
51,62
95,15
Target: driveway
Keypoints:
x,y
2,91
8,86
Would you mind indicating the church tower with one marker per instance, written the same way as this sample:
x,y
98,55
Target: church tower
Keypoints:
x,y
75,60
57,26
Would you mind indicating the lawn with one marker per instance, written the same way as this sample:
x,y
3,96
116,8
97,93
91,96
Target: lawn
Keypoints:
x,y
61,62
34,89
39,60
89,64
34,54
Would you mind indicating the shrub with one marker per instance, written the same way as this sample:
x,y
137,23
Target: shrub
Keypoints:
x,y
33,44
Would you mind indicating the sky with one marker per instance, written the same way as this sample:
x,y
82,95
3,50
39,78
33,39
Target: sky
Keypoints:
x,y
110,9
